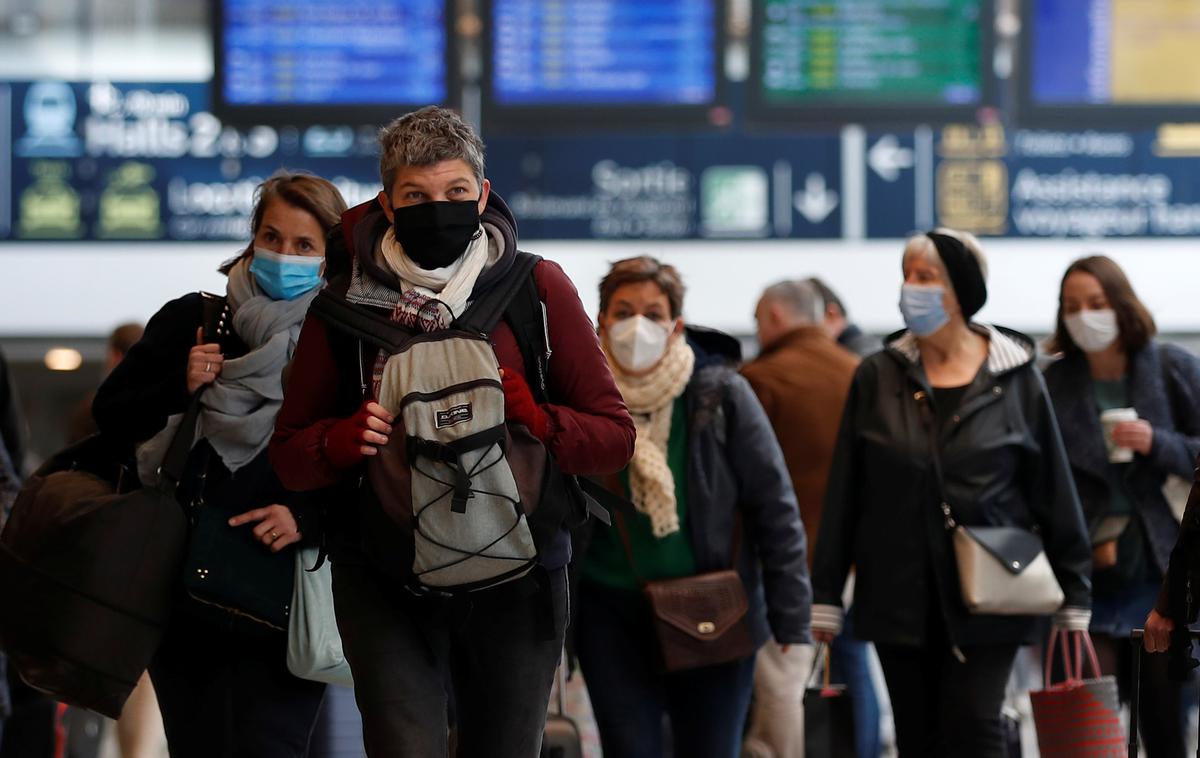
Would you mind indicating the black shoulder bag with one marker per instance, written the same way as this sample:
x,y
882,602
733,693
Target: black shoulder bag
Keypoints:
x,y
89,574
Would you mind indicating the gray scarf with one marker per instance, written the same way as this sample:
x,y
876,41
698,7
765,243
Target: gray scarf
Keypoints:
x,y
238,410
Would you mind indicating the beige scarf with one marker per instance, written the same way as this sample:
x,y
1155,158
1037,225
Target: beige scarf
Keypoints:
x,y
650,399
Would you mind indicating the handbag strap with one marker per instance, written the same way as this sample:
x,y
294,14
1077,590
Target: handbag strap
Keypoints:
x,y
923,403
1083,643
821,661
171,470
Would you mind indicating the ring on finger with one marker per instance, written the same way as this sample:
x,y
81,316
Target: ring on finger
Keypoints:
x,y
207,367
274,535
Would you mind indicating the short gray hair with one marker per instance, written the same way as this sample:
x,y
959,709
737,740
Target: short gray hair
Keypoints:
x,y
802,297
427,137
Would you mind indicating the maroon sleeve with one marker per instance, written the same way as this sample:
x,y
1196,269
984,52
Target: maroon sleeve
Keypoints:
x,y
591,432
309,409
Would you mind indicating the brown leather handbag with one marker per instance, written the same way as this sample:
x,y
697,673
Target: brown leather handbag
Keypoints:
x,y
700,620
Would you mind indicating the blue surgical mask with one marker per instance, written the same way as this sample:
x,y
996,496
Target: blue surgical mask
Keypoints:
x,y
921,305
285,277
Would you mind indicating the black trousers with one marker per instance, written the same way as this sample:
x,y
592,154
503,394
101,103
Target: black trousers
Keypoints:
x,y
494,652
229,694
944,707
622,665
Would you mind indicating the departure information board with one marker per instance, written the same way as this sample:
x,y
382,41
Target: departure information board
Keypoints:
x,y
1115,52
547,53
869,52
315,53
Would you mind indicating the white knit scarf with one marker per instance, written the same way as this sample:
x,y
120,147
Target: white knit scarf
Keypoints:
x,y
650,399
430,299
450,286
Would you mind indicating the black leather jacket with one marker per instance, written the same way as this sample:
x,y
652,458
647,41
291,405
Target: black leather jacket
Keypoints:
x,y
1004,464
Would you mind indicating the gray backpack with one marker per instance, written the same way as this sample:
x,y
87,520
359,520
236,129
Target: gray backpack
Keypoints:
x,y
468,524
476,495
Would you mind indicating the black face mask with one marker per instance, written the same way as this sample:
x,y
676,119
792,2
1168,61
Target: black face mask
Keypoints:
x,y
434,235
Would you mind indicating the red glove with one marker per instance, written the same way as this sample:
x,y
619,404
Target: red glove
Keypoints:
x,y
346,441
519,406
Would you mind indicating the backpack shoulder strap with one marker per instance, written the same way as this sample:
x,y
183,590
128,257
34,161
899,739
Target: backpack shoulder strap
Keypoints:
x,y
487,310
526,316
359,323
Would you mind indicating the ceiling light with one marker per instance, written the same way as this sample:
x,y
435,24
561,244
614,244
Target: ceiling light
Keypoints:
x,y
63,359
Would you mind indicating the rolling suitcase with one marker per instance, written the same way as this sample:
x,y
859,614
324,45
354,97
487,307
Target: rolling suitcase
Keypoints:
x,y
1138,649
561,738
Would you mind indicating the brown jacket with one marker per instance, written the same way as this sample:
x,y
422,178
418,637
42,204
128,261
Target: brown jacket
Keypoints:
x,y
802,380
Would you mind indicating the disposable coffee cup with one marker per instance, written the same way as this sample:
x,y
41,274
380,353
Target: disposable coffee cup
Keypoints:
x,y
1109,420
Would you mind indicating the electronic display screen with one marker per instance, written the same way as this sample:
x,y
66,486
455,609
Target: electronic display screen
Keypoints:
x,y
1114,52
313,54
600,53
870,52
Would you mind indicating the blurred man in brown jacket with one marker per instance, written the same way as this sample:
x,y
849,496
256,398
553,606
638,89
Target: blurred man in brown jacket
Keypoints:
x,y
802,377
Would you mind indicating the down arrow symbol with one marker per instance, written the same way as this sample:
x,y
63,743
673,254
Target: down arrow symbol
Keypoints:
x,y
815,202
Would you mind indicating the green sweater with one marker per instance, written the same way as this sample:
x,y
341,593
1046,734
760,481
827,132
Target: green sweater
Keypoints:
x,y
606,563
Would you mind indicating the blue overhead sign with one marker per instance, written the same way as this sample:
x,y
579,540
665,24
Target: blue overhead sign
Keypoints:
x,y
310,52
607,52
701,186
149,161
1070,184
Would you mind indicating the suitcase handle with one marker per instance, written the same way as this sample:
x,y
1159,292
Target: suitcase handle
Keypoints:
x,y
1135,638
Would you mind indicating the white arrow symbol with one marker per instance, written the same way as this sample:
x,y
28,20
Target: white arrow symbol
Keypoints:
x,y
887,158
816,202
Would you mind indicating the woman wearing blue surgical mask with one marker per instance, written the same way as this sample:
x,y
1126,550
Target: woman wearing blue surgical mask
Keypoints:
x,y
1130,417
705,461
971,394
220,673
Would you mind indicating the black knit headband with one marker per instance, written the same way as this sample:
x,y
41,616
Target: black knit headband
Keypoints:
x,y
966,276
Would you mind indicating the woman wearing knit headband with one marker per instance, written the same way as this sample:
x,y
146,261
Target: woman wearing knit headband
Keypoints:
x,y
710,492
964,397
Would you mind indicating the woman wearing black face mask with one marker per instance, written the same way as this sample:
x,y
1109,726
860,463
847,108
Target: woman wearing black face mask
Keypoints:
x,y
1129,415
436,240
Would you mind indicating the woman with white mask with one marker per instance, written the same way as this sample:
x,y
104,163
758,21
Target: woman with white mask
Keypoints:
x,y
709,492
969,395
1130,417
